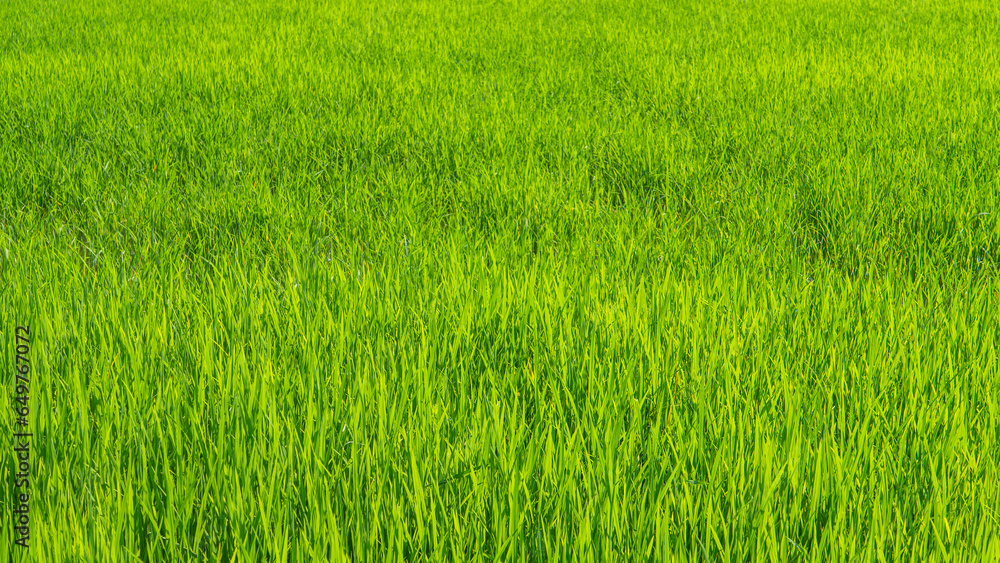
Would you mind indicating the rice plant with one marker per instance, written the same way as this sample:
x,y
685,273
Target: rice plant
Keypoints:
x,y
536,281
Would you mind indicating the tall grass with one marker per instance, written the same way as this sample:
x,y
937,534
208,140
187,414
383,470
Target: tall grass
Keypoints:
x,y
541,281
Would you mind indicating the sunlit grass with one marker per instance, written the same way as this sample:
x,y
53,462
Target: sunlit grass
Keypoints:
x,y
467,282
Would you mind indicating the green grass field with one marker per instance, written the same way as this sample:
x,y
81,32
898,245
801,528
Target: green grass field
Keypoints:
x,y
705,280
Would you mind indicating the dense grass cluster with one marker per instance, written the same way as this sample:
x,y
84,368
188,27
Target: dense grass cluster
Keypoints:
x,y
535,281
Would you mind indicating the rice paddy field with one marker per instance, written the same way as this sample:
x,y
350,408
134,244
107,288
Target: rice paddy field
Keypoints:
x,y
586,280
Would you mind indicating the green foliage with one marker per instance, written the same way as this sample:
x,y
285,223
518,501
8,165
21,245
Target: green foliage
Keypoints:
x,y
571,281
